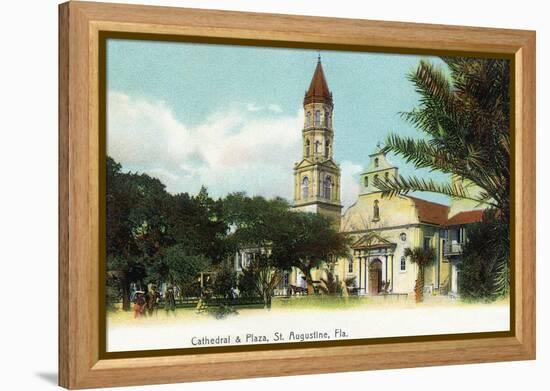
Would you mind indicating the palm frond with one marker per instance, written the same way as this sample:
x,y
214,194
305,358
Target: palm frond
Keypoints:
x,y
401,186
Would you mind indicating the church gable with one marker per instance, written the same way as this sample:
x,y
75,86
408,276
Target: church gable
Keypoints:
x,y
303,164
330,163
371,240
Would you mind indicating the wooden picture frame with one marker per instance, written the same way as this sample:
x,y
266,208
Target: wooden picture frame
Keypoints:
x,y
81,364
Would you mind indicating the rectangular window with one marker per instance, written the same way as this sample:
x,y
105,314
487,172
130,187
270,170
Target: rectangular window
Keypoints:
x,y
350,266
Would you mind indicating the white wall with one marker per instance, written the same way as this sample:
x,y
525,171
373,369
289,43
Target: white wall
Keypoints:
x,y
28,153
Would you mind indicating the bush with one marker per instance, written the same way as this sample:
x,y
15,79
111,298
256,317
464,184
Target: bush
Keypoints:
x,y
225,281
247,284
485,272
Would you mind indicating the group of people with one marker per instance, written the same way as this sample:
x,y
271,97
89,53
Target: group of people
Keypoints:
x,y
149,303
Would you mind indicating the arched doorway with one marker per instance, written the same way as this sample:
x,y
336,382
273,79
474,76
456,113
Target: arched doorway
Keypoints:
x,y
375,276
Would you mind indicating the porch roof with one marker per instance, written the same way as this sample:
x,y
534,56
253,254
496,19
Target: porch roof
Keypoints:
x,y
372,240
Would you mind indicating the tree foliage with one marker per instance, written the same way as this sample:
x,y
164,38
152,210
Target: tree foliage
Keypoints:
x,y
484,274
466,120
309,241
154,236
464,116
280,239
257,224
330,285
225,280
135,230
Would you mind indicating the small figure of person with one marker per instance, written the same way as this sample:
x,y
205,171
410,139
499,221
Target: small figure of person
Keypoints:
x,y
139,304
169,299
151,298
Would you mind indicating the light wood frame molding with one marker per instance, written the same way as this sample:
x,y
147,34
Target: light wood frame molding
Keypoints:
x,y
80,364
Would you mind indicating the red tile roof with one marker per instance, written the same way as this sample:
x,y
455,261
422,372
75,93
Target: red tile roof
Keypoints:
x,y
318,91
431,212
468,217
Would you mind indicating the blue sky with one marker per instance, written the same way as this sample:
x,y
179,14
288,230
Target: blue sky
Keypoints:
x,y
230,117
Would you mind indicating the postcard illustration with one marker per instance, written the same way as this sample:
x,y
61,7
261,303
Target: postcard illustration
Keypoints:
x,y
260,195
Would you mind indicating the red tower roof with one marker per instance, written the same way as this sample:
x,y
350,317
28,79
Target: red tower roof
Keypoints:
x,y
318,91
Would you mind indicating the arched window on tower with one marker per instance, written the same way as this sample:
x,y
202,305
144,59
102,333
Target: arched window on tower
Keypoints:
x,y
317,118
376,162
328,188
327,148
376,211
317,142
327,119
305,188
366,181
308,145
308,119
387,176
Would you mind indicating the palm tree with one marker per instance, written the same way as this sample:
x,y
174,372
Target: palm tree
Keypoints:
x,y
330,285
422,257
465,118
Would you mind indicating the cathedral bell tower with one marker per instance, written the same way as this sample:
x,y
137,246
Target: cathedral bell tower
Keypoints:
x,y
316,175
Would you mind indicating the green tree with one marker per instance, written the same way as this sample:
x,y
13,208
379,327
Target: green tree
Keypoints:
x,y
151,232
308,241
266,277
258,225
183,269
464,116
135,225
198,223
422,257
282,238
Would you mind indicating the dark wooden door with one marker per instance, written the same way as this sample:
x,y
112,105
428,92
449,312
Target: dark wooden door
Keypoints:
x,y
375,277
